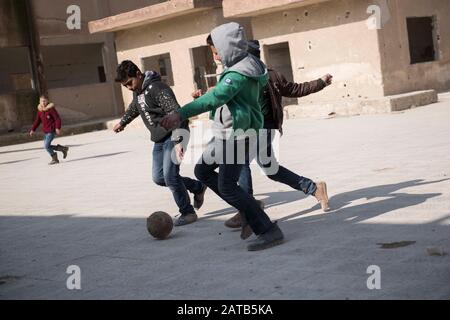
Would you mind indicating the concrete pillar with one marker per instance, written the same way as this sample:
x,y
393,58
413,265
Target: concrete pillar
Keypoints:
x,y
110,61
37,64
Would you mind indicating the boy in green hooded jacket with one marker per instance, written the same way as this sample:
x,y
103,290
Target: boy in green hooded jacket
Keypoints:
x,y
235,105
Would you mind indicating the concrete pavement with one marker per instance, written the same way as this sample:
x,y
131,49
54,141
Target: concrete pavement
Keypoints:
x,y
388,178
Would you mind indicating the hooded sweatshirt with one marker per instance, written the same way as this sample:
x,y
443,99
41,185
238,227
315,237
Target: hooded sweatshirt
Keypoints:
x,y
235,102
155,100
49,117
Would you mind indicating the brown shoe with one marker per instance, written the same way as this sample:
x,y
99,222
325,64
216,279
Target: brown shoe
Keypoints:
x,y
234,222
199,198
322,196
246,231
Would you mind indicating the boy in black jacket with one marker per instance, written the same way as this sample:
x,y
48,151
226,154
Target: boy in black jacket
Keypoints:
x,y
152,100
272,109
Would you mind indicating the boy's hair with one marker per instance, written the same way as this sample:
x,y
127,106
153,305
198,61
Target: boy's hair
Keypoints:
x,y
127,69
209,41
45,96
254,48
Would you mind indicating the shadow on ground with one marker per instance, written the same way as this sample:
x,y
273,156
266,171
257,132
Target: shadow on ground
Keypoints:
x,y
324,257
17,161
98,156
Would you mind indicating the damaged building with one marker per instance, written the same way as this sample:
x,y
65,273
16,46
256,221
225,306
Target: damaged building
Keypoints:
x,y
385,55
42,49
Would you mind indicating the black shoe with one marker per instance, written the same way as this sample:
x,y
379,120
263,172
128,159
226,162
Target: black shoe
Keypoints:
x,y
185,219
268,239
199,198
235,222
63,149
54,159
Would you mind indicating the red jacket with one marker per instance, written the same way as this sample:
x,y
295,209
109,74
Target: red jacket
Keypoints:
x,y
49,117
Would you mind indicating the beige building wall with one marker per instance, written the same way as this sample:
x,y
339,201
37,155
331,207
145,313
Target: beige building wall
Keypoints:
x,y
121,6
77,102
399,75
70,58
328,37
176,36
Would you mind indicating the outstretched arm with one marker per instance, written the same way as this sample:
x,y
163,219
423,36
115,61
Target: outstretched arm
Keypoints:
x,y
131,114
223,92
296,90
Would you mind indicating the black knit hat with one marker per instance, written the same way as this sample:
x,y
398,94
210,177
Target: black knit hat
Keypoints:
x,y
254,49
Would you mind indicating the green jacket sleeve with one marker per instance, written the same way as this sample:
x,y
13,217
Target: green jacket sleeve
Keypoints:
x,y
230,85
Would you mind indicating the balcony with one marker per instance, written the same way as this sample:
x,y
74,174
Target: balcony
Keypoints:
x,y
151,14
252,8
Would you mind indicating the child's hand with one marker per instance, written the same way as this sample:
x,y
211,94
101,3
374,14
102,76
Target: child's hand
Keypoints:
x,y
118,128
327,79
58,131
196,94
31,133
179,152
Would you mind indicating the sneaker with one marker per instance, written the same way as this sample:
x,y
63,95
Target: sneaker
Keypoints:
x,y
235,221
185,219
273,237
199,198
322,196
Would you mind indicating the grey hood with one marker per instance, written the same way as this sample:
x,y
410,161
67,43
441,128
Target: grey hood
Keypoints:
x,y
150,77
231,44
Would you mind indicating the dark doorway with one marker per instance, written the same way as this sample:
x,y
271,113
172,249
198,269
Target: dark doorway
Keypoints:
x,y
278,57
204,68
422,39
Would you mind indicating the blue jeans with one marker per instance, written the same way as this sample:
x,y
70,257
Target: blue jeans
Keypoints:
x,y
48,138
282,175
166,173
224,184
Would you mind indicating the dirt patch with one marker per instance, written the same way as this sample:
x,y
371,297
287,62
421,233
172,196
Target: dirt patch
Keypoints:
x,y
8,279
393,245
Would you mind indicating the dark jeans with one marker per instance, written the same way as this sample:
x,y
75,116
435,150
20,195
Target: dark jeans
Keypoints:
x,y
166,173
224,184
282,175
